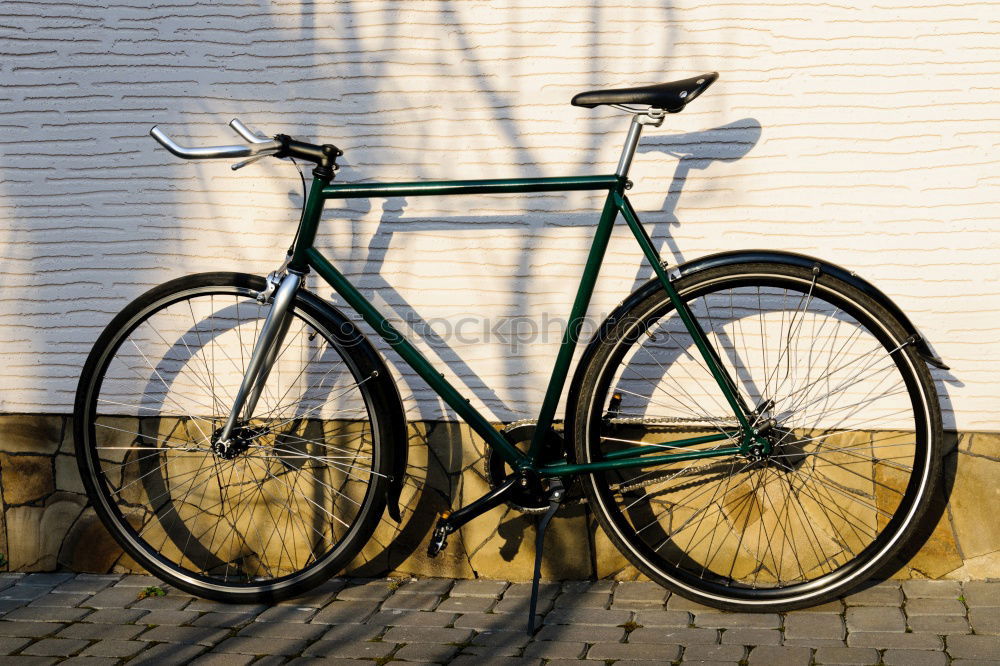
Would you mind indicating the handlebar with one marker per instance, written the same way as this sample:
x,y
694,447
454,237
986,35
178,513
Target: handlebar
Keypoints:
x,y
324,156
258,145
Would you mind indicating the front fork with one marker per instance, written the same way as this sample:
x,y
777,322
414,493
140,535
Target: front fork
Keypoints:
x,y
265,352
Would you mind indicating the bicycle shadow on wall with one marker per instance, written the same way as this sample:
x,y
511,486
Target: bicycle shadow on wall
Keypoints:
x,y
694,150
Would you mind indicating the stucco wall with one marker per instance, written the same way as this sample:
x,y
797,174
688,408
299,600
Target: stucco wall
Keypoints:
x,y
864,134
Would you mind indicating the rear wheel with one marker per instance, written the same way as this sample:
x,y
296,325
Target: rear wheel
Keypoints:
x,y
302,484
855,434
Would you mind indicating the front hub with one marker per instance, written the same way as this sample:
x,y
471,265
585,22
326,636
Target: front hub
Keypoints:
x,y
240,439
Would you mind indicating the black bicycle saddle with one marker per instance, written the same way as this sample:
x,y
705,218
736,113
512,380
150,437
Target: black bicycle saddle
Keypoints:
x,y
671,97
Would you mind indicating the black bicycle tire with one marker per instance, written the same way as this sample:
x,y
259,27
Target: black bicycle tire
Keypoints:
x,y
343,333
586,411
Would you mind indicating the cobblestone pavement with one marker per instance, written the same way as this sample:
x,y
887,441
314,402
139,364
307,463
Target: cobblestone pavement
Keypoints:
x,y
50,618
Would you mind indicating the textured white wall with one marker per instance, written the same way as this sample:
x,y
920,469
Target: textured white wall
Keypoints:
x,y
863,133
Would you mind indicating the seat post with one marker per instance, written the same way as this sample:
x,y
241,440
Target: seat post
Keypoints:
x,y
628,150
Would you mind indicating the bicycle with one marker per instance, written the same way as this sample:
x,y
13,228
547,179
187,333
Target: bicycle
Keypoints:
x,y
755,430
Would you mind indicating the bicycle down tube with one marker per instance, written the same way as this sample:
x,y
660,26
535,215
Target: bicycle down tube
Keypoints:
x,y
306,256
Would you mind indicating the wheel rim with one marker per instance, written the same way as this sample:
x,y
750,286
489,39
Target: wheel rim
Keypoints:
x,y
280,506
847,470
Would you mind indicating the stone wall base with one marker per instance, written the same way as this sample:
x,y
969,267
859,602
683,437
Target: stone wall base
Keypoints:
x,y
46,523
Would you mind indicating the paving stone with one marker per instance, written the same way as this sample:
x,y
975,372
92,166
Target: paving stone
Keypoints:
x,y
344,612
676,602
480,661
97,632
352,633
720,620
412,602
31,661
713,653
834,607
882,640
223,660
588,616
674,635
318,596
209,606
175,601
55,647
437,586
116,598
7,605
932,589
188,635
554,650
815,643
637,651
375,590
883,594
47,614
287,614
288,631
24,592
494,621
919,606
914,658
875,618
597,600
767,655
636,605
588,586
139,580
467,604
640,591
165,653
329,661
87,583
811,626
546,590
520,605
981,593
478,588
412,619
974,647
351,650
114,648
514,640
939,624
426,652
227,620
751,637
985,620
579,632
168,617
663,618
250,645
46,579
427,635
116,616
84,660
11,644
848,655
60,599
28,629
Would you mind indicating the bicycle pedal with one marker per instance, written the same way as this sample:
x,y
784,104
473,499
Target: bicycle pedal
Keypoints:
x,y
439,538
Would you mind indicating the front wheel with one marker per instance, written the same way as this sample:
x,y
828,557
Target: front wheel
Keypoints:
x,y
851,416
301,484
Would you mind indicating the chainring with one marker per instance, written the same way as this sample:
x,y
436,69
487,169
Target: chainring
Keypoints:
x,y
526,500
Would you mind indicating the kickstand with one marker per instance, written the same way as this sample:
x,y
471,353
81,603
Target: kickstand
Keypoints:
x,y
556,493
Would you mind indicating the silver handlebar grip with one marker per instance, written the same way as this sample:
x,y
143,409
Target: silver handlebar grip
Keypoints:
x,y
209,152
246,132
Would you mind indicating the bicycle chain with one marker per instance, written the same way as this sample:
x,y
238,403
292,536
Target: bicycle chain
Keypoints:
x,y
615,421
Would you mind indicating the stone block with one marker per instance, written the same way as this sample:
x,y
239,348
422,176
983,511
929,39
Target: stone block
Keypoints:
x,y
840,655
426,653
985,621
986,648
427,635
478,588
114,648
767,655
918,606
976,485
875,618
914,658
676,636
635,651
719,620
257,646
88,546
812,626
341,612
580,632
555,650
283,630
351,650
588,616
663,618
700,652
26,478
981,593
412,619
892,639
30,433
932,589
939,624
750,637
883,594
467,604
55,647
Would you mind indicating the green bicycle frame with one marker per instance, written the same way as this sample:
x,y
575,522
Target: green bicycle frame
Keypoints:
x,y
305,256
